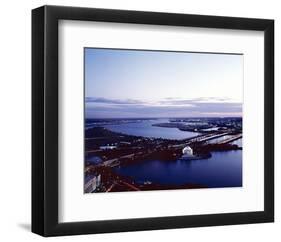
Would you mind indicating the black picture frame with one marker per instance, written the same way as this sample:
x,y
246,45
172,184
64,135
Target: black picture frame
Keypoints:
x,y
45,120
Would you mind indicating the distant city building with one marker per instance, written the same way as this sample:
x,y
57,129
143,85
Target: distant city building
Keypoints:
x,y
125,143
92,182
108,147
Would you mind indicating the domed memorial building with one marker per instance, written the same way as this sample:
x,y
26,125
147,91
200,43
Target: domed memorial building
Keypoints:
x,y
187,153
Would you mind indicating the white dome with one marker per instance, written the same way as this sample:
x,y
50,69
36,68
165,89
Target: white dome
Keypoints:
x,y
187,150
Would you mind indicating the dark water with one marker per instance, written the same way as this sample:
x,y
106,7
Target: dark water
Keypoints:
x,y
223,169
145,129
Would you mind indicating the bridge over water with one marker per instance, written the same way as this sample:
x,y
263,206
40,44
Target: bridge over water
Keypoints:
x,y
186,142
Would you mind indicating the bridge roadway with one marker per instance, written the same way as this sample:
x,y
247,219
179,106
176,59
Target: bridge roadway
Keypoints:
x,y
122,183
207,137
238,136
202,138
112,161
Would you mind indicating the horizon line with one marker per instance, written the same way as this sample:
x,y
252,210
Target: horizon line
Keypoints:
x,y
166,117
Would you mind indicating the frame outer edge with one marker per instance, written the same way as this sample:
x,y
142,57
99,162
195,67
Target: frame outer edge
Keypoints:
x,y
51,134
38,146
45,121
269,121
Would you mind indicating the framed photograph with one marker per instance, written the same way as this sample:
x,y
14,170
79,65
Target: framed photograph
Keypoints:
x,y
145,120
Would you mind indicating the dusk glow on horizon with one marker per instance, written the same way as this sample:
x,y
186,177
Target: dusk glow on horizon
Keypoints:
x,y
152,84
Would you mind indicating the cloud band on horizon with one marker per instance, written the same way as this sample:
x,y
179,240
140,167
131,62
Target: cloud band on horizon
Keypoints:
x,y
97,107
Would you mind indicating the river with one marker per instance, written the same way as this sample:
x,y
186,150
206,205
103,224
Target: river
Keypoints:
x,y
145,128
222,169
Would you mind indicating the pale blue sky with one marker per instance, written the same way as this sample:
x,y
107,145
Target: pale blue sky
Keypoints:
x,y
134,83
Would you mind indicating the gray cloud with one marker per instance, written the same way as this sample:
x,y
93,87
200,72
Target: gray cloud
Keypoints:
x,y
112,101
193,101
